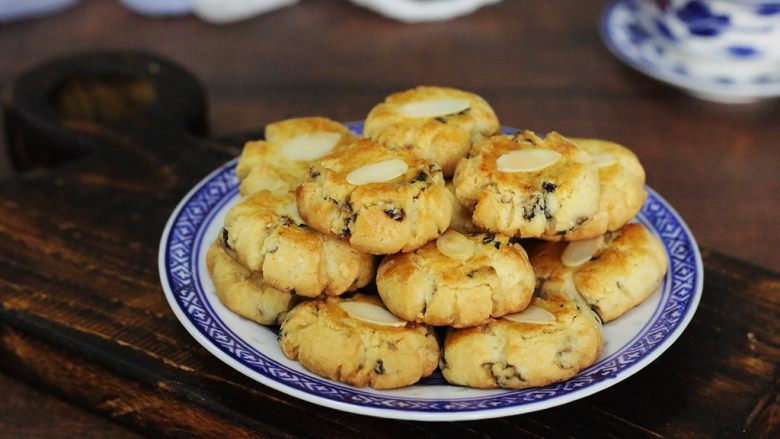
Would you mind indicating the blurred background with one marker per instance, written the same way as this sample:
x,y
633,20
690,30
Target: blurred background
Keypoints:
x,y
542,65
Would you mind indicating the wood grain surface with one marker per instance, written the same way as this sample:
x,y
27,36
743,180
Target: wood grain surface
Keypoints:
x,y
33,414
83,316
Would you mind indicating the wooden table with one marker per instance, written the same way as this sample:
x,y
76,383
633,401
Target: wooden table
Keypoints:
x,y
540,64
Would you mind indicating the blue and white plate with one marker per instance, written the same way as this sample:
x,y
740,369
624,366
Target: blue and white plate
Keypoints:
x,y
645,49
631,342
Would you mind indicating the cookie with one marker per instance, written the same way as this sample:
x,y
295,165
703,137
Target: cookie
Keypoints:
x,y
550,341
613,273
525,186
457,280
244,292
280,162
438,123
333,339
622,181
265,233
382,201
461,217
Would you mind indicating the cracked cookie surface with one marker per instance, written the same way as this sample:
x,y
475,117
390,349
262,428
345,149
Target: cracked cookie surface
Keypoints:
x,y
621,183
544,203
440,138
244,292
265,233
491,277
280,162
507,354
327,341
401,213
627,266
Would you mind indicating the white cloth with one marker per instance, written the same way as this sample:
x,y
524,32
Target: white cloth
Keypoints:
x,y
423,10
160,7
228,11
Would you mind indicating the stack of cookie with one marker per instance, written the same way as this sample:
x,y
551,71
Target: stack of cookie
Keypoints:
x,y
320,205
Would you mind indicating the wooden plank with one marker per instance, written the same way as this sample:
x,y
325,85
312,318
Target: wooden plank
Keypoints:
x,y
30,413
715,367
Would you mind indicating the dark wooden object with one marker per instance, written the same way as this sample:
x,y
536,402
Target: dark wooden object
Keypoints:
x,y
83,314
30,413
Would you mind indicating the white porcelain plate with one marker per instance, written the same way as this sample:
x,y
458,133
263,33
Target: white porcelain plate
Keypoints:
x,y
627,38
631,343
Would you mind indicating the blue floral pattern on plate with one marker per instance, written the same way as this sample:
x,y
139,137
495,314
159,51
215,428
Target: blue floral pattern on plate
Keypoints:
x,y
185,237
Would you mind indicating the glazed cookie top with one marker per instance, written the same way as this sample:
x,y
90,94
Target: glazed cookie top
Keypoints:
x,y
280,162
613,272
266,234
622,180
382,200
457,280
527,186
439,123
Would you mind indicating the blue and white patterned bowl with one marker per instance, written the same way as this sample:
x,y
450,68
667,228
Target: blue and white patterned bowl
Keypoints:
x,y
724,51
725,31
631,342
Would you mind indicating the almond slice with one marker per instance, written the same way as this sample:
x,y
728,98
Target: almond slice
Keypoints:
x,y
310,146
533,314
602,160
527,160
377,172
370,313
434,107
580,252
454,245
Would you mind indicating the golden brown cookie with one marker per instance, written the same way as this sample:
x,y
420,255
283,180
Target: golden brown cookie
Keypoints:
x,y
244,292
522,185
622,181
438,123
457,280
550,341
613,273
265,233
382,201
280,162
461,216
332,340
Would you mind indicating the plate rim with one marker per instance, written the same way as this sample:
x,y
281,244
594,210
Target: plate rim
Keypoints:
x,y
727,90
421,415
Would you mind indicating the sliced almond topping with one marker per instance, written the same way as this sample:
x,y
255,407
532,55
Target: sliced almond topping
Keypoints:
x,y
533,314
434,107
454,245
580,252
310,146
602,160
370,313
527,160
377,172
